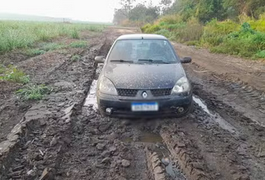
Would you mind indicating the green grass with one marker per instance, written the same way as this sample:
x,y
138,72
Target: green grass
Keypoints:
x,y
79,44
51,46
33,92
75,34
75,58
45,47
18,34
261,54
13,74
35,52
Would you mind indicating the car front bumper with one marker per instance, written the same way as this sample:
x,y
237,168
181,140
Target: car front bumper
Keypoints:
x,y
121,106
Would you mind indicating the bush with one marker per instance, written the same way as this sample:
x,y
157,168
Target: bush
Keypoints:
x,y
191,32
170,19
164,32
152,28
246,43
214,32
260,54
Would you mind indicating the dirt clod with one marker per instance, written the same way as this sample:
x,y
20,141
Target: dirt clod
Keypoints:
x,y
125,163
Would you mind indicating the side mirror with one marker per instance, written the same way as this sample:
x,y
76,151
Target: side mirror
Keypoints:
x,y
99,59
186,60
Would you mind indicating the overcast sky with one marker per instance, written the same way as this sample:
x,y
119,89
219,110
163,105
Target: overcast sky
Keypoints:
x,y
88,10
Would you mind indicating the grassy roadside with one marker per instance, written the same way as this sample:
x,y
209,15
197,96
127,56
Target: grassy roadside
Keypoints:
x,y
245,38
36,38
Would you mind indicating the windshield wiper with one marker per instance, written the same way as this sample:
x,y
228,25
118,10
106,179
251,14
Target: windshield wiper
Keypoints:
x,y
154,61
120,60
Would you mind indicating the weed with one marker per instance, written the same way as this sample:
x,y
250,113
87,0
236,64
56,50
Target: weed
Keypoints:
x,y
33,92
35,52
79,44
13,74
75,58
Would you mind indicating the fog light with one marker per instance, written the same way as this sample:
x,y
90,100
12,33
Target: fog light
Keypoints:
x,y
180,109
108,110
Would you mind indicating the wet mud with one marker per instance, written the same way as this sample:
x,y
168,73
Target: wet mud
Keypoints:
x,y
65,137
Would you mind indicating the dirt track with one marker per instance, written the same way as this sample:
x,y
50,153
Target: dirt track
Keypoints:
x,y
63,137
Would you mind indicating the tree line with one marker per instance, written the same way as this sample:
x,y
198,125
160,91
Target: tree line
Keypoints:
x,y
203,10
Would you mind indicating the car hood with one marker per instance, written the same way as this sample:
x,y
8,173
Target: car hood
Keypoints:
x,y
143,76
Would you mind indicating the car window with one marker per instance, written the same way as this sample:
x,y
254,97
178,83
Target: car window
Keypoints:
x,y
139,51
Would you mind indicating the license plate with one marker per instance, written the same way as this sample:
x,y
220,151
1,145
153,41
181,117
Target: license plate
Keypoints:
x,y
149,106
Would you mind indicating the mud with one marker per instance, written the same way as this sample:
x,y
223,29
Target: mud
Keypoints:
x,y
64,136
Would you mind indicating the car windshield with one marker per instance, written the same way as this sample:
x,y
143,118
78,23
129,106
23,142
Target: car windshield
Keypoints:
x,y
142,51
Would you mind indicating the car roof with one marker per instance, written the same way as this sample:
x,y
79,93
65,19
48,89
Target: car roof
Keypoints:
x,y
141,36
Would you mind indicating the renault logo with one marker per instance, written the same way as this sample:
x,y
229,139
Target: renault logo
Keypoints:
x,y
144,94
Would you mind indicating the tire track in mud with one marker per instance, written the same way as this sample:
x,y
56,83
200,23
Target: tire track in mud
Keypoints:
x,y
44,136
224,100
202,153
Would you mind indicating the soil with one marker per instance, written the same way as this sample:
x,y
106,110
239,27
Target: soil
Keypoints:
x,y
64,136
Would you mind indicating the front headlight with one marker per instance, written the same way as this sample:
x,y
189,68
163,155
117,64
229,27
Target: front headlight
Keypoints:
x,y
181,86
107,87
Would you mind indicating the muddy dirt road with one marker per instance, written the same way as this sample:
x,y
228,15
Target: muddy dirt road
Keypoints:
x,y
64,137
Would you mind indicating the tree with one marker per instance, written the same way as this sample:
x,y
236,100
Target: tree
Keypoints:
x,y
127,6
142,13
119,16
165,5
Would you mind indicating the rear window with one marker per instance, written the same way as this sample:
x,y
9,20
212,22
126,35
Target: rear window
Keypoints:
x,y
139,51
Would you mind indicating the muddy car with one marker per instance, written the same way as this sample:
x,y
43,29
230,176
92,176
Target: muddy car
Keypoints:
x,y
143,76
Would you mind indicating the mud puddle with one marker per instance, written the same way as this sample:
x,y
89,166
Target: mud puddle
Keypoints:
x,y
144,137
91,100
216,117
155,142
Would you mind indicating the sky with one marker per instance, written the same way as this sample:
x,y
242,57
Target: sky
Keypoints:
x,y
85,10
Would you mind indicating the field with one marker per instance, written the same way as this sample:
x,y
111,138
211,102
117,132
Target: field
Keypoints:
x,y
50,127
15,34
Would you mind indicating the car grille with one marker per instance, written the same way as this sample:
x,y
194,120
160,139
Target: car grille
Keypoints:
x,y
160,92
133,92
127,92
